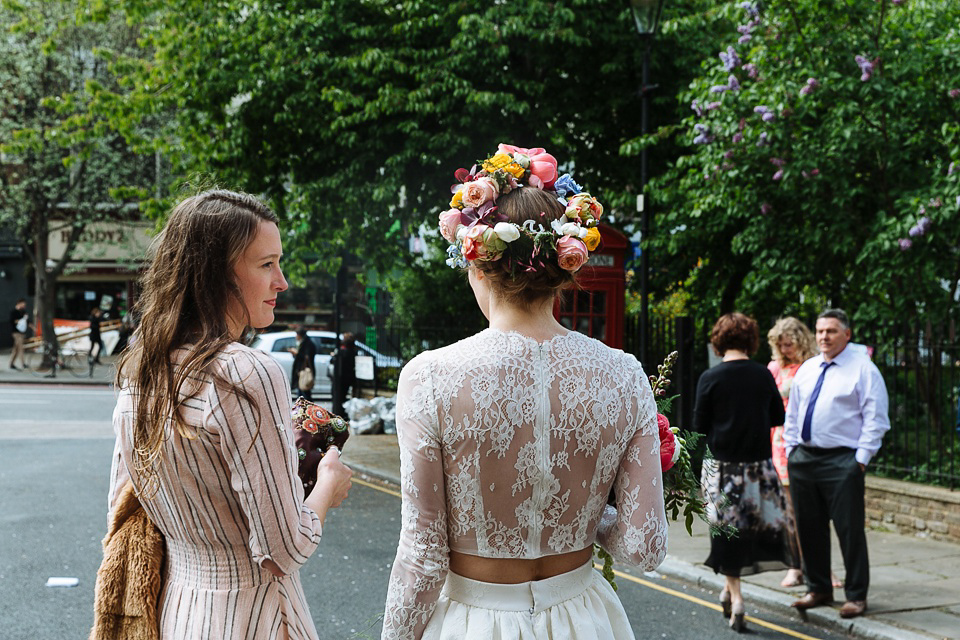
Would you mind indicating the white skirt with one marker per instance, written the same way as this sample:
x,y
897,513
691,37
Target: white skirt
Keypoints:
x,y
577,605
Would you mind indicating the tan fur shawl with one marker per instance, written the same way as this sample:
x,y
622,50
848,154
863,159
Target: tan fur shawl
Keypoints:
x,y
126,596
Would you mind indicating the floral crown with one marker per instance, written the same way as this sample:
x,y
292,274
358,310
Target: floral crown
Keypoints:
x,y
476,231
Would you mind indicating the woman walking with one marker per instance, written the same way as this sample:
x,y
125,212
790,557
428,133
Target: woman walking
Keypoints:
x,y
511,440
203,429
737,404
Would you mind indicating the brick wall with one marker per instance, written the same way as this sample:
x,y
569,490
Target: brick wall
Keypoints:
x,y
913,509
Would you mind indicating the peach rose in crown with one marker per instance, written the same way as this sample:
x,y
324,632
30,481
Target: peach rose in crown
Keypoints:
x,y
482,243
449,221
477,192
571,253
585,207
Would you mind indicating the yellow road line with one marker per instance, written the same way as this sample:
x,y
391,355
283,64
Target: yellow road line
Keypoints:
x,y
647,583
709,605
376,486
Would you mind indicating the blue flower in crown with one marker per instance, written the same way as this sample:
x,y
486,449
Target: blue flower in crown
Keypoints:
x,y
455,257
566,186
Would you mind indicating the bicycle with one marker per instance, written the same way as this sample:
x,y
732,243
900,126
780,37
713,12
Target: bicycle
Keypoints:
x,y
41,363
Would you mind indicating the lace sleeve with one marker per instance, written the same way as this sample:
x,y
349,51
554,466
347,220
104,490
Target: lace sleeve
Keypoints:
x,y
423,556
635,531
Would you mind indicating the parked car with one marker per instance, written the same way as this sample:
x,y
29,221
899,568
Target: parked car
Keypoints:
x,y
278,344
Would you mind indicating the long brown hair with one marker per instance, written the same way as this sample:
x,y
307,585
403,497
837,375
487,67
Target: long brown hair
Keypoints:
x,y
186,291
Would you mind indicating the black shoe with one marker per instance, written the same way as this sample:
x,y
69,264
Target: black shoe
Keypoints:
x,y
14,367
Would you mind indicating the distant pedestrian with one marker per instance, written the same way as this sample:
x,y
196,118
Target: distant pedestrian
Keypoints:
x,y
19,325
95,339
345,372
836,418
737,404
303,360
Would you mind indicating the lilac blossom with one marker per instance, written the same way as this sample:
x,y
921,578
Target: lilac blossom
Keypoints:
x,y
954,93
811,174
711,106
744,39
951,168
778,162
778,175
936,202
696,108
866,68
958,201
719,88
751,70
737,137
732,83
703,134
745,29
905,243
765,208
897,3
807,89
768,116
730,59
762,141
921,228
728,154
750,8
761,109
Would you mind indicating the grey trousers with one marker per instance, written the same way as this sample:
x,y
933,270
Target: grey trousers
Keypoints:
x,y
827,484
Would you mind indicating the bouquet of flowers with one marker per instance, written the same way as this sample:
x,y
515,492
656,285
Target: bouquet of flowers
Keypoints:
x,y
681,489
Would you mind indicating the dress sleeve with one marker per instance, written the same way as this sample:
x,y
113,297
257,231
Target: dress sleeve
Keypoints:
x,y
423,554
119,475
635,531
256,441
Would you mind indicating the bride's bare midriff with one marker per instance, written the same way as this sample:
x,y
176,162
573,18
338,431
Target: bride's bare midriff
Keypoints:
x,y
514,570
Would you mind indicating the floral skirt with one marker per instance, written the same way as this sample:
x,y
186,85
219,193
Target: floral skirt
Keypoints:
x,y
749,497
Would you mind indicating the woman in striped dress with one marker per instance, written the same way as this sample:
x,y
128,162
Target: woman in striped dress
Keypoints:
x,y
203,429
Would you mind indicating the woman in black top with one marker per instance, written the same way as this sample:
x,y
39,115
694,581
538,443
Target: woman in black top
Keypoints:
x,y
737,404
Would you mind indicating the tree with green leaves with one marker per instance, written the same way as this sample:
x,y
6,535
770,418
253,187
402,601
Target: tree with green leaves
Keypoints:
x,y
821,162
61,164
350,117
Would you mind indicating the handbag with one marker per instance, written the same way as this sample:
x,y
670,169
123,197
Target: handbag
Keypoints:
x,y
316,430
305,379
22,324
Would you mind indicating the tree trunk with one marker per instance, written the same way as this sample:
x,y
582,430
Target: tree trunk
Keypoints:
x,y
46,286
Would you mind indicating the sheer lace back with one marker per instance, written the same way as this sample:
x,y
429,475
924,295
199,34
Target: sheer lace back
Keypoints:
x,y
509,449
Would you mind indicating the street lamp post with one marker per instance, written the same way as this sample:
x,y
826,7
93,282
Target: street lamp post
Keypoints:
x,y
646,17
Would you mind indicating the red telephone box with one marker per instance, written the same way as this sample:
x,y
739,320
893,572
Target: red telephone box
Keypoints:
x,y
596,308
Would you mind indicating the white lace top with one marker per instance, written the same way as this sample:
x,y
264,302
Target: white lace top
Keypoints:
x,y
509,449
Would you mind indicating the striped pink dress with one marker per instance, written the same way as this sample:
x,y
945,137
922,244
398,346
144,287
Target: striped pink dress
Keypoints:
x,y
227,500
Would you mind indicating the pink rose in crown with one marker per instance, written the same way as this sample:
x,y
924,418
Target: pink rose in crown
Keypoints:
x,y
449,221
668,443
542,165
479,191
571,253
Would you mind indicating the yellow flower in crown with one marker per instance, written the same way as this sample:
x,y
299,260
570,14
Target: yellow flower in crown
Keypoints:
x,y
516,170
457,201
497,161
592,239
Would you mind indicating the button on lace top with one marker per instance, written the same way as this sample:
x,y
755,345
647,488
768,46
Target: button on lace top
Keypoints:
x,y
509,449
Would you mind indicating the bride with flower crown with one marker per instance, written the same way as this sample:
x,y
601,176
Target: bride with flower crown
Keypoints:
x,y
512,440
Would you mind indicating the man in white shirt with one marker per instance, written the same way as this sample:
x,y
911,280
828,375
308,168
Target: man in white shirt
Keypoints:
x,y
836,418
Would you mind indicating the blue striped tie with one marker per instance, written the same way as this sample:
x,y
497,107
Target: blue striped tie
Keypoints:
x,y
808,418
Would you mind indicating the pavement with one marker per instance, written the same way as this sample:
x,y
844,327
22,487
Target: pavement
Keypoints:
x,y
914,586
